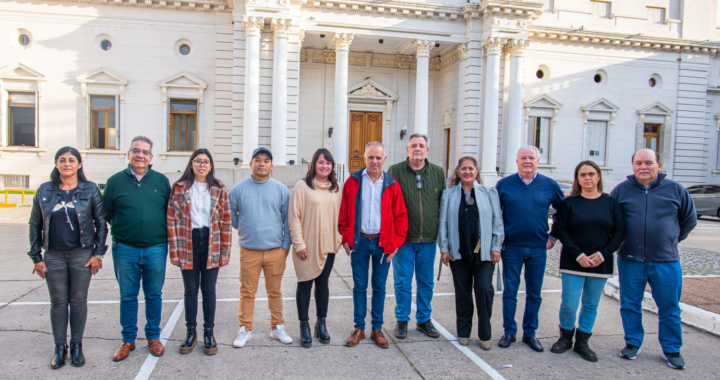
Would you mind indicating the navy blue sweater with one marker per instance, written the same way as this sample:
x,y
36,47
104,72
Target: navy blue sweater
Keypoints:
x,y
657,218
525,209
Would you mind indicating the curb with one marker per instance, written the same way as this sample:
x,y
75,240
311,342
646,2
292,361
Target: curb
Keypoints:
x,y
692,316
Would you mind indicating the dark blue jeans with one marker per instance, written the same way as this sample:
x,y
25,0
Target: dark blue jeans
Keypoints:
x,y
666,283
133,265
513,259
418,258
365,253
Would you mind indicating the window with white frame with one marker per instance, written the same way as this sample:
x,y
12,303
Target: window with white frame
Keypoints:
x,y
600,9
539,131
22,119
656,15
596,138
182,131
103,122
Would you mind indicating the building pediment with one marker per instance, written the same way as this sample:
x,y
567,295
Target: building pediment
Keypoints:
x,y
656,108
183,79
600,105
19,71
543,101
102,75
369,89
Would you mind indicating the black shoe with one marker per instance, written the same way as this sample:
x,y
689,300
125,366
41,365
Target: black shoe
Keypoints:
x,y
58,359
190,341
582,347
305,334
565,342
533,343
77,359
506,341
400,330
321,331
210,343
428,329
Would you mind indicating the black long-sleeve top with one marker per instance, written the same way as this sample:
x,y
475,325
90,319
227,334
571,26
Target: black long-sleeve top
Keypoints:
x,y
587,226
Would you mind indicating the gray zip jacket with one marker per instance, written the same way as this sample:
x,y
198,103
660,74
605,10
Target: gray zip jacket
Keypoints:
x,y
492,231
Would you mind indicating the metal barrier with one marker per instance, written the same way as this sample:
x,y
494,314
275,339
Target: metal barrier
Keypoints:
x,y
22,192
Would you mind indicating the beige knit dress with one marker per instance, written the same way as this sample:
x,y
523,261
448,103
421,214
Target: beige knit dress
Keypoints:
x,y
313,219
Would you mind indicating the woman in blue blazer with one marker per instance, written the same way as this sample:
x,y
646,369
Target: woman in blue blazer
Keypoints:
x,y
471,238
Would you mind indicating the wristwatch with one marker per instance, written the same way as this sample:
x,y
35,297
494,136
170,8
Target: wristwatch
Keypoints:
x,y
99,257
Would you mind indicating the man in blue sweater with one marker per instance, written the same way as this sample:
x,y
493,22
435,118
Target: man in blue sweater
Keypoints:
x,y
659,214
525,198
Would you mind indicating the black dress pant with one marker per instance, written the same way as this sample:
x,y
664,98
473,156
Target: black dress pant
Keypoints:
x,y
202,278
466,278
322,292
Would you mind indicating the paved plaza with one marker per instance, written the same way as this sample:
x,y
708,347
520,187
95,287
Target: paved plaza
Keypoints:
x,y
26,344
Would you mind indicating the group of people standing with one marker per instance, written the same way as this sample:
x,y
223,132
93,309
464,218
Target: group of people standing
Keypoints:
x,y
399,217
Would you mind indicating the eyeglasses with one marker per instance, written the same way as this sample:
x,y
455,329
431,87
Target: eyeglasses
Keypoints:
x,y
419,181
201,163
145,153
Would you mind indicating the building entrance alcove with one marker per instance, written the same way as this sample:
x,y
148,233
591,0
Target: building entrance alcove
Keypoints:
x,y
364,127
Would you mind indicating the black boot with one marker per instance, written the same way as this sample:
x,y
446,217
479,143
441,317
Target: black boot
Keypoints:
x,y
190,341
581,346
565,342
305,334
77,359
60,354
321,331
210,343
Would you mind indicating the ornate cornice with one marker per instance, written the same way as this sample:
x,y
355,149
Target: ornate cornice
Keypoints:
x,y
219,6
281,27
342,41
386,8
493,45
422,47
253,25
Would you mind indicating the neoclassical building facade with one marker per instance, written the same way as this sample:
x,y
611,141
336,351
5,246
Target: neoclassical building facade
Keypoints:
x,y
579,79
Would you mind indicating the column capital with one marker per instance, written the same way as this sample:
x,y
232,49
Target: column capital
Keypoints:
x,y
517,46
422,47
280,27
461,51
253,25
493,45
301,38
342,41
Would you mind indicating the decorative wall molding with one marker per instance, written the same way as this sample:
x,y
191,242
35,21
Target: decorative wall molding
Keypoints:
x,y
102,76
370,91
543,101
218,6
183,80
387,8
601,105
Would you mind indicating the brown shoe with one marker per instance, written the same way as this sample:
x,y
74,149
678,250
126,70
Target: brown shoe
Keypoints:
x,y
355,338
123,351
156,348
379,339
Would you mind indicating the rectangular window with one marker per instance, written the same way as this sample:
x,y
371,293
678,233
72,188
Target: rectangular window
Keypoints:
x,y
539,128
22,119
656,15
596,138
651,136
601,9
183,125
103,122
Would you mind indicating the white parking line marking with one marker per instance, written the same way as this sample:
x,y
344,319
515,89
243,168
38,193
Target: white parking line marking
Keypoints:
x,y
149,365
490,371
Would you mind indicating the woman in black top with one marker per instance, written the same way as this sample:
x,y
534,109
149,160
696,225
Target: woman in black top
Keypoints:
x,y
68,222
590,227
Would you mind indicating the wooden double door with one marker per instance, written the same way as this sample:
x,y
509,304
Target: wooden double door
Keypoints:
x,y
364,128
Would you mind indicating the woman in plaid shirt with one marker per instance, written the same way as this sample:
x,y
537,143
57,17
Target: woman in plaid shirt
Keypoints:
x,y
199,239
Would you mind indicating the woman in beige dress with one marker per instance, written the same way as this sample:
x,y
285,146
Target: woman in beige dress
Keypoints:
x,y
313,219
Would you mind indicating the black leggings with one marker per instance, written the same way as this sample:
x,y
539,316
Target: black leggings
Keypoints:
x,y
68,280
200,277
322,292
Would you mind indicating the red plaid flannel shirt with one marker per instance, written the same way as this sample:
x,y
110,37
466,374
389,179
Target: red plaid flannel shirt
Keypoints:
x,y
179,226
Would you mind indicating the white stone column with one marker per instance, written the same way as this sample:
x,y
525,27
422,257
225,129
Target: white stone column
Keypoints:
x,y
340,120
513,142
493,46
251,112
422,50
278,145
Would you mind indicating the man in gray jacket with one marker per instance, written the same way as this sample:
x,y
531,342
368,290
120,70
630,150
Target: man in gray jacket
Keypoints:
x,y
659,214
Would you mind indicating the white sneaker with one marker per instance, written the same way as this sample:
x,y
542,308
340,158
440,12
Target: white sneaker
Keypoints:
x,y
242,338
280,334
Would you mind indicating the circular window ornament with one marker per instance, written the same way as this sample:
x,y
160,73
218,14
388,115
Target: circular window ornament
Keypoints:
x,y
540,74
655,81
600,77
652,82
597,78
105,45
184,49
24,40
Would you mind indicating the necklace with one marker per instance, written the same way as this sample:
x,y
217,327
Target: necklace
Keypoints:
x,y
470,201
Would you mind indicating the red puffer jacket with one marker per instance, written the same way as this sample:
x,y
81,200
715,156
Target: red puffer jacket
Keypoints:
x,y
393,218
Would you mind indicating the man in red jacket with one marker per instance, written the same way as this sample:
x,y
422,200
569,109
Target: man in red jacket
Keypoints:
x,y
373,223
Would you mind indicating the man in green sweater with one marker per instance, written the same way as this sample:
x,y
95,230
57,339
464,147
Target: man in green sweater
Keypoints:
x,y
136,200
422,185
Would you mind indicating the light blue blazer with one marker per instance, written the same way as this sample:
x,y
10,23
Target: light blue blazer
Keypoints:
x,y
492,231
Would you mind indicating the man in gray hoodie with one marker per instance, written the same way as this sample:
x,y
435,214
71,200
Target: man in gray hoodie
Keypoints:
x,y
659,214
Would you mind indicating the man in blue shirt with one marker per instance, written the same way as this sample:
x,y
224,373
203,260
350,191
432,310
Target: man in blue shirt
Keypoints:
x,y
525,198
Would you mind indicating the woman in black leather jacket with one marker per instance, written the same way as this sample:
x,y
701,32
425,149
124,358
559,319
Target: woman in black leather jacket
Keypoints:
x,y
68,222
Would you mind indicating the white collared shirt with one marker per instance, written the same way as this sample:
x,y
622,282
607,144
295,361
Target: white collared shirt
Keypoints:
x,y
531,179
371,204
199,205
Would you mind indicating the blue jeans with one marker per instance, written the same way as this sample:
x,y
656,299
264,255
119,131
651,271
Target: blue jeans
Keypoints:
x,y
418,258
665,280
573,288
513,259
365,253
133,264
